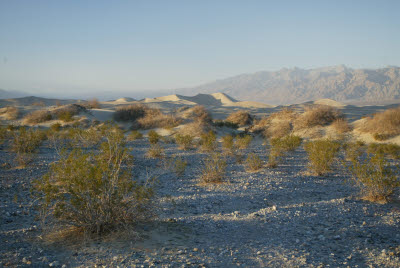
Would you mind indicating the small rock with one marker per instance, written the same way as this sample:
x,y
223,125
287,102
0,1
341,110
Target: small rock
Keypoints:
x,y
54,264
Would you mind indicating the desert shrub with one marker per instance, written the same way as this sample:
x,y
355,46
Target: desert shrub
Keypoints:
x,y
39,103
65,116
195,129
228,144
95,192
179,166
278,129
134,135
243,142
55,127
37,117
154,118
253,162
130,112
353,150
92,104
240,118
320,115
321,154
3,134
390,149
208,141
385,124
197,113
374,176
287,143
154,137
10,113
155,151
341,125
279,146
185,142
213,169
25,143
86,137
221,123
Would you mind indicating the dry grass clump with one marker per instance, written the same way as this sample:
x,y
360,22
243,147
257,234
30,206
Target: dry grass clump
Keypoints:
x,y
10,113
38,116
320,115
66,112
240,118
94,191
253,163
185,142
154,118
276,125
353,150
155,151
243,142
154,137
374,176
341,126
277,129
197,113
213,170
144,117
179,166
228,144
196,128
92,104
134,135
321,154
130,113
386,124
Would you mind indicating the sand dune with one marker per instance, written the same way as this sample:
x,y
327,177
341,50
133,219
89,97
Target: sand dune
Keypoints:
x,y
329,102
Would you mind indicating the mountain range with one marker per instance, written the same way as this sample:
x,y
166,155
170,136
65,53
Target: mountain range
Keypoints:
x,y
296,85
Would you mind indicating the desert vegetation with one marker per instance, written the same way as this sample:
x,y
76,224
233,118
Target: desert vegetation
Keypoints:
x,y
383,125
240,118
95,174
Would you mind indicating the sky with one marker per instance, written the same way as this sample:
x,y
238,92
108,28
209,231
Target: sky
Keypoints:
x,y
138,47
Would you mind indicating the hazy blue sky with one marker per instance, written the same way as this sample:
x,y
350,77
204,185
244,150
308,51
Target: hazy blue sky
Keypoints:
x,y
80,46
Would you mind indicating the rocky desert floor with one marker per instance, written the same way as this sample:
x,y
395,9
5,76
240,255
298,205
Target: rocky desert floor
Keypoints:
x,y
277,217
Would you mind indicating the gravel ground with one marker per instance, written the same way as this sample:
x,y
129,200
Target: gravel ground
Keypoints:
x,y
278,217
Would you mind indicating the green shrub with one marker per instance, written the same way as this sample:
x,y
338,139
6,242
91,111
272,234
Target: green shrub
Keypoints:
x,y
134,135
65,116
213,170
154,137
3,134
321,154
185,142
228,144
94,192
286,143
353,150
243,142
221,123
208,141
253,162
25,143
374,177
55,127
390,149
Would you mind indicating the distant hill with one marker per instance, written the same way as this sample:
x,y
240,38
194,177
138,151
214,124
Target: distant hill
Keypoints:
x,y
32,100
296,85
7,94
